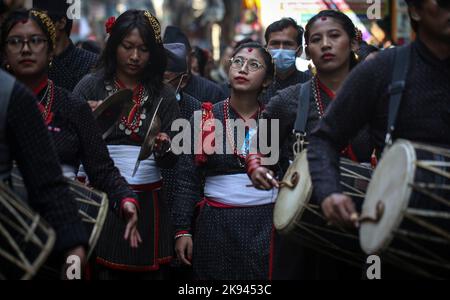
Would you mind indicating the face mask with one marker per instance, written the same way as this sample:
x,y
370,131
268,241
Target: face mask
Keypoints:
x,y
284,59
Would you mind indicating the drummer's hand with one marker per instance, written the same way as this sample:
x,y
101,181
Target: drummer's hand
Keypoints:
x,y
264,179
339,209
162,144
79,252
94,104
183,248
131,232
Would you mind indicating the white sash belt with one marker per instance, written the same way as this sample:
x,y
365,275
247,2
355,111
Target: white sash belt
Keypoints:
x,y
233,190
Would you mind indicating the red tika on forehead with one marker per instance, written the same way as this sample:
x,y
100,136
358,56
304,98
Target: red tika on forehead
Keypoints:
x,y
323,18
250,50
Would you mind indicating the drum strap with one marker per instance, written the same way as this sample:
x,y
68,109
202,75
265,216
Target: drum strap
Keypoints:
x,y
397,86
303,108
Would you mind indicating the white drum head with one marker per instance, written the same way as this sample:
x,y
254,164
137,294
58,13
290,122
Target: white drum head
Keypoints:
x,y
290,202
390,184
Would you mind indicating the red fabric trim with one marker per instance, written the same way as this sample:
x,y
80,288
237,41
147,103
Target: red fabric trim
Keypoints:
x,y
182,232
150,187
88,272
125,200
155,205
374,159
350,154
254,116
81,179
120,267
329,92
218,204
271,252
41,86
158,261
207,115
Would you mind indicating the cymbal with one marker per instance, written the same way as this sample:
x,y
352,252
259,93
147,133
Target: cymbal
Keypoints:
x,y
108,113
150,138
112,102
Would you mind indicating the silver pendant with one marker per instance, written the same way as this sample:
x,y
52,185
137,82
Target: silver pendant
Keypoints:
x,y
127,131
136,130
143,116
121,126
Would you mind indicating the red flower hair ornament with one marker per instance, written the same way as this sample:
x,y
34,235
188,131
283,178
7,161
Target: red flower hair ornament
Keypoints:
x,y
110,24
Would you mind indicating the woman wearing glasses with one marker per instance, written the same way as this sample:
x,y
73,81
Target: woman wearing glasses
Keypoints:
x,y
28,39
232,232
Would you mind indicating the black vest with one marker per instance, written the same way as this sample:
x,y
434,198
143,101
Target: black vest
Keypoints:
x,y
6,87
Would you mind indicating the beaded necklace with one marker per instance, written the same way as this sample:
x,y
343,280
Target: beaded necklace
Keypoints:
x,y
46,103
230,135
133,122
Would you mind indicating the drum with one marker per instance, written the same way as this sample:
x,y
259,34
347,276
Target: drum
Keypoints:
x,y
412,181
92,205
300,218
25,239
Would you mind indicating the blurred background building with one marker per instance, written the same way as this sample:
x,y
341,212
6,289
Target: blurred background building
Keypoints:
x,y
215,24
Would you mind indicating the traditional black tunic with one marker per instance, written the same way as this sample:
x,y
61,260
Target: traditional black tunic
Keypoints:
x,y
229,242
204,90
154,224
188,105
71,66
35,154
278,85
424,113
291,260
78,140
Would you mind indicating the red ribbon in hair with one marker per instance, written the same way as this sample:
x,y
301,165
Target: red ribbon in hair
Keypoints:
x,y
206,129
109,24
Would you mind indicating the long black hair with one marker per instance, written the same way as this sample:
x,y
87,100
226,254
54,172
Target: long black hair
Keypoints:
x,y
342,19
152,75
268,60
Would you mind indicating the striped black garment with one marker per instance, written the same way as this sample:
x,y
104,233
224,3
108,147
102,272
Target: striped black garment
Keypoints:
x,y
78,140
278,85
71,66
187,105
230,243
204,90
154,217
35,153
283,107
424,114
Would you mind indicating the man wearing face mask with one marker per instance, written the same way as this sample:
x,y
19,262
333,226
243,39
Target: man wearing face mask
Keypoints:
x,y
284,40
176,75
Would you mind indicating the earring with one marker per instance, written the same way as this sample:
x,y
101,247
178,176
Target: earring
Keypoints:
x,y
356,56
50,64
8,67
312,69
